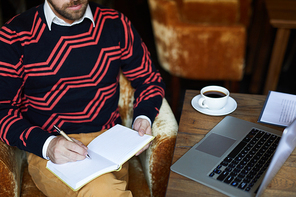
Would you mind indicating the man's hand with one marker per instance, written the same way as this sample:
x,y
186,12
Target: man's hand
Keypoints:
x,y
143,127
61,150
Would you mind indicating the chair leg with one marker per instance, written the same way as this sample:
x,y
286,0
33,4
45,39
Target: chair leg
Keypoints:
x,y
232,86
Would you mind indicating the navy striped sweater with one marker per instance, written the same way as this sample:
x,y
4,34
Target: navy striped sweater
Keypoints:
x,y
69,76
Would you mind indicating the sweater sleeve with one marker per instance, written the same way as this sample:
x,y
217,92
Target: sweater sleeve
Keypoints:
x,y
15,130
139,69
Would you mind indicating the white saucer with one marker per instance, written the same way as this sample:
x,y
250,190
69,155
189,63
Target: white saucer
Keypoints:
x,y
227,109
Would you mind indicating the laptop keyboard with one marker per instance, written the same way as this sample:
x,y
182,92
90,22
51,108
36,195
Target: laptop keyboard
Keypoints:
x,y
247,161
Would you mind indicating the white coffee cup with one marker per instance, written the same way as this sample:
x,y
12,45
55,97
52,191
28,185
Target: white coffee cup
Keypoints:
x,y
213,97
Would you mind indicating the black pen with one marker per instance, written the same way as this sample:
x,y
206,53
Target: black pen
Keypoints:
x,y
60,131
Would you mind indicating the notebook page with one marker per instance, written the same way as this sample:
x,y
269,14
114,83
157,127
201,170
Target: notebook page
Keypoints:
x,y
76,174
119,143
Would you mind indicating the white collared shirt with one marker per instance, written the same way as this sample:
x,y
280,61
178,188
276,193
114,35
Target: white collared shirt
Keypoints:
x,y
52,18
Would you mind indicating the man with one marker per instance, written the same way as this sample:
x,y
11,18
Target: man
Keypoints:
x,y
60,65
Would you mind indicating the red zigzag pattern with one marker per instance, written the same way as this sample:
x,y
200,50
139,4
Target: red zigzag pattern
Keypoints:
x,y
59,54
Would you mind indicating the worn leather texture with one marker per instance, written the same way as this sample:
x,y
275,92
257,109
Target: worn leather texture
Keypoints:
x,y
12,161
201,39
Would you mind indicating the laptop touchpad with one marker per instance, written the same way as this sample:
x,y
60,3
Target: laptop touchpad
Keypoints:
x,y
215,144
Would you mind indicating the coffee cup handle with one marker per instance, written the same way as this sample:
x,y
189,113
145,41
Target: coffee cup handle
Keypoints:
x,y
201,103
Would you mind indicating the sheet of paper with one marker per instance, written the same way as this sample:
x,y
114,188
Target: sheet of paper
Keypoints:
x,y
279,109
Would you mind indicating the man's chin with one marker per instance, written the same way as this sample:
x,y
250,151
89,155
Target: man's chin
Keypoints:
x,y
75,12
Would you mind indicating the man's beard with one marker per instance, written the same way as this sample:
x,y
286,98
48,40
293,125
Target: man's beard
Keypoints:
x,y
71,14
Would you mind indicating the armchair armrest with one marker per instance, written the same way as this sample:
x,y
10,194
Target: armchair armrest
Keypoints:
x,y
11,164
156,161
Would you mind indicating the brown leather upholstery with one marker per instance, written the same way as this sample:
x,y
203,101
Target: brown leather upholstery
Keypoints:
x,y
200,39
11,162
148,177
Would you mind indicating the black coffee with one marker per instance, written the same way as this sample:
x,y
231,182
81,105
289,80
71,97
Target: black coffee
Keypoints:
x,y
214,94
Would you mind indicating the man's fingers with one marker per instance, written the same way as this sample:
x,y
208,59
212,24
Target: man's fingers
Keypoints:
x,y
76,148
141,130
61,150
74,152
143,127
79,143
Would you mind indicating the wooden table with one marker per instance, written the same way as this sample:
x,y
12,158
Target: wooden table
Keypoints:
x,y
194,126
282,15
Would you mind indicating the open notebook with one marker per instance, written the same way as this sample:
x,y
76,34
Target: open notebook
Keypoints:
x,y
237,157
108,152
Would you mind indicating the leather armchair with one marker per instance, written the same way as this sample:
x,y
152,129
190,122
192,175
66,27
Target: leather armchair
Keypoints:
x,y
195,37
148,173
200,39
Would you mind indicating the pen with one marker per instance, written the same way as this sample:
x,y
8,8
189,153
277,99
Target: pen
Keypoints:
x,y
60,131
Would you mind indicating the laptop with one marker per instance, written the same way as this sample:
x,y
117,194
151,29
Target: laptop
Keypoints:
x,y
237,157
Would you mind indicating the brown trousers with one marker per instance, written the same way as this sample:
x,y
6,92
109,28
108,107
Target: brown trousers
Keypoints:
x,y
110,184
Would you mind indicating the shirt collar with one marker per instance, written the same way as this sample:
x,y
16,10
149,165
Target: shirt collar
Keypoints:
x,y
52,18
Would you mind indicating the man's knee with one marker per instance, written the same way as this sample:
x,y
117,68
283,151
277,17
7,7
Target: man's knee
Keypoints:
x,y
105,185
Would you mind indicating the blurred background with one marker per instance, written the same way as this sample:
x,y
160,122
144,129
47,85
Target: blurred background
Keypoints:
x,y
259,42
